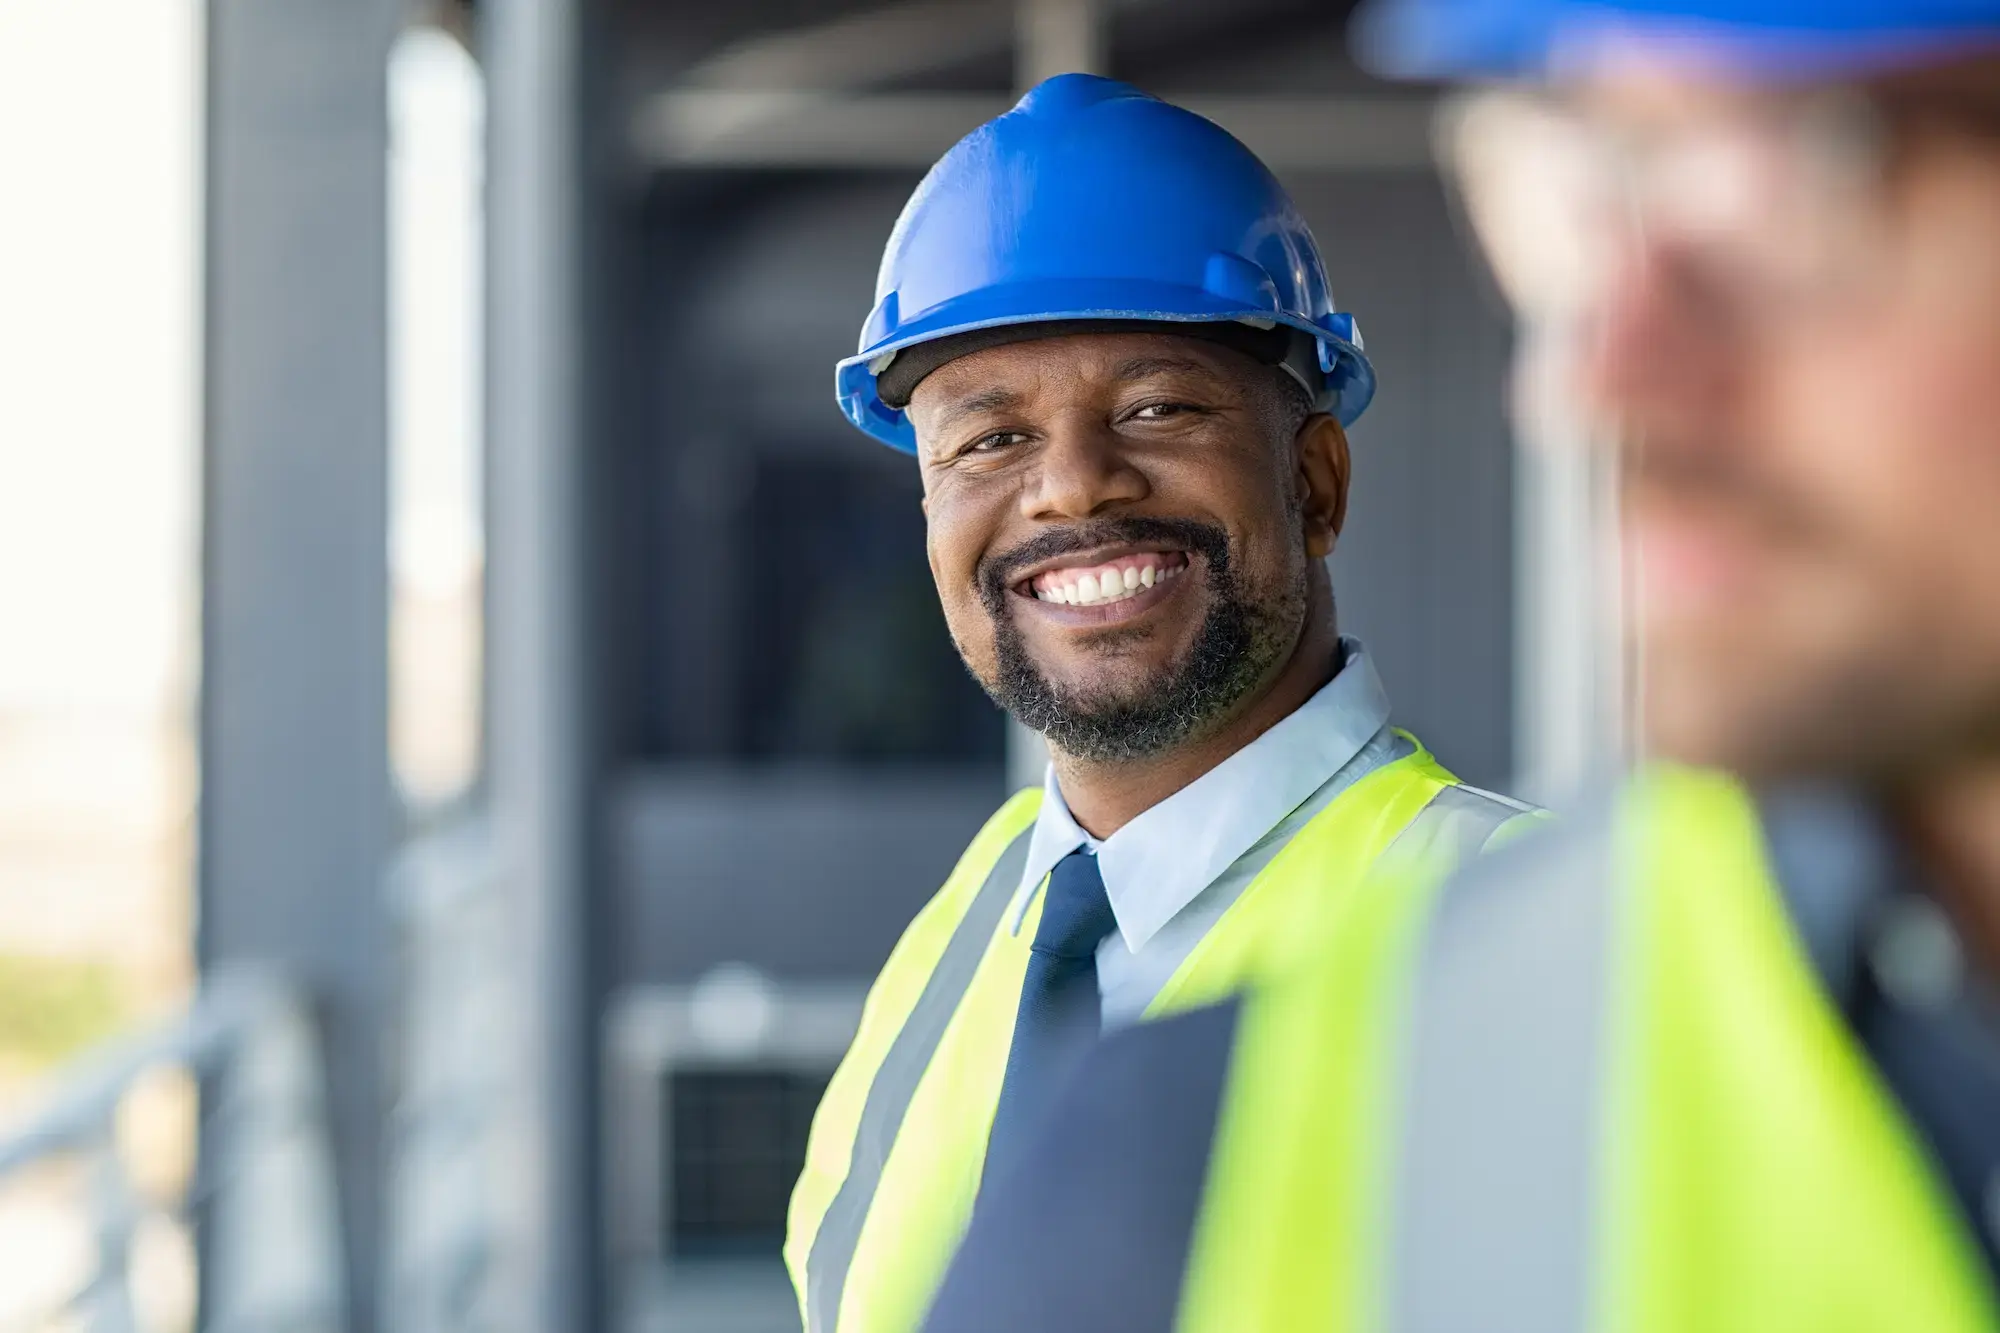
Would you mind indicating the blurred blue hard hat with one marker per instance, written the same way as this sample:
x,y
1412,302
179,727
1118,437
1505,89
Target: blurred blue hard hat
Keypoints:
x,y
1770,38
1092,203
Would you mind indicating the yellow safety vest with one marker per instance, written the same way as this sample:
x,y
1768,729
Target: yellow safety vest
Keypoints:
x,y
1591,1083
898,1144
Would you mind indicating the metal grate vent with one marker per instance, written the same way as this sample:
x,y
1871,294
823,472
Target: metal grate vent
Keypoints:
x,y
738,1140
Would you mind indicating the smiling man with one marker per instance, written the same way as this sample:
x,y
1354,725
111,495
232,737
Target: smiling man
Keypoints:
x,y
1104,331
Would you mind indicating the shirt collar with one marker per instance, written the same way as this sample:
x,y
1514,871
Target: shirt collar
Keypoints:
x,y
1156,864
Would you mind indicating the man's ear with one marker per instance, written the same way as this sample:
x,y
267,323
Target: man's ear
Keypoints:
x,y
1324,471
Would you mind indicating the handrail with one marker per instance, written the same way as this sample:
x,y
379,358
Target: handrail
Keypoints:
x,y
87,1096
274,1259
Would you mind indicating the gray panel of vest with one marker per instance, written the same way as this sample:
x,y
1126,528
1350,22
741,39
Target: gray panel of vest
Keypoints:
x,y
1494,1182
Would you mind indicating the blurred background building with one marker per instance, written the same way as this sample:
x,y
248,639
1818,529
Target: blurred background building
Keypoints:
x,y
416,435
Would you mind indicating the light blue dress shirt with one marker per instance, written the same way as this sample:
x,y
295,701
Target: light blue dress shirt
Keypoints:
x,y
1174,870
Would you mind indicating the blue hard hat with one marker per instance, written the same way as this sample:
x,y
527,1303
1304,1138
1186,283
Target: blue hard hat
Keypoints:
x,y
1776,39
1091,202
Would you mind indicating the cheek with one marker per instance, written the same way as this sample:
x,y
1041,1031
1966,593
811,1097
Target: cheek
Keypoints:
x,y
1941,472
1923,376
954,536
1253,502
972,632
954,545
1893,427
1274,539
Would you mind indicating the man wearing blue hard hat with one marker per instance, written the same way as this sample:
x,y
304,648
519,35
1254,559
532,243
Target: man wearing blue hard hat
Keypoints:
x,y
1105,333
1722,1054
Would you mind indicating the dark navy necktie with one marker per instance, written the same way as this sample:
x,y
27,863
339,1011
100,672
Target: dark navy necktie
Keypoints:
x,y
1059,1015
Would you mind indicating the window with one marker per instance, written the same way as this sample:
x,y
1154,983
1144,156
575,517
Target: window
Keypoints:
x,y
436,517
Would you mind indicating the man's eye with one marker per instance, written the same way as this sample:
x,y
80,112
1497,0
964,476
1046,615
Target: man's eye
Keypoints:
x,y
1161,411
999,439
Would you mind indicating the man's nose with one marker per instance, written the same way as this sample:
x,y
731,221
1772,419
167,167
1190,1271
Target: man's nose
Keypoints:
x,y
1656,353
1081,471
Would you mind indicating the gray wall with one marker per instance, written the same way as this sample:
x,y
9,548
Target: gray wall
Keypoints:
x,y
1425,571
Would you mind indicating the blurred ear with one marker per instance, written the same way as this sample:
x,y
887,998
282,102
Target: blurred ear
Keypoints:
x,y
1324,470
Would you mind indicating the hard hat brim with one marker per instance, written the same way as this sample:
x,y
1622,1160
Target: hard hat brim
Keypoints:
x,y
1776,41
1350,377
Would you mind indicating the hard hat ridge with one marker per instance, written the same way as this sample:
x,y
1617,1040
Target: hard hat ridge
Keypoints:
x,y
1091,200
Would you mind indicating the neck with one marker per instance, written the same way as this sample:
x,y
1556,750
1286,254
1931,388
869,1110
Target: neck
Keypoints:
x,y
1104,797
1952,824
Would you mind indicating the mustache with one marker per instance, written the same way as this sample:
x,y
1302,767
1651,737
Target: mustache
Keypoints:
x,y
1716,475
997,573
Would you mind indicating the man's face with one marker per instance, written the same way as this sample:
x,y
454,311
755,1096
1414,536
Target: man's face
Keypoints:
x,y
1811,475
1123,529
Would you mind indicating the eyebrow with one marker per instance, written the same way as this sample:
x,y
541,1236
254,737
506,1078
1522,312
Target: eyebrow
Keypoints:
x,y
988,400
1137,368
1144,367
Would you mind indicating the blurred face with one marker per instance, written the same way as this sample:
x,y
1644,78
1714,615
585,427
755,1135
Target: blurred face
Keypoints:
x,y
1125,531
1798,351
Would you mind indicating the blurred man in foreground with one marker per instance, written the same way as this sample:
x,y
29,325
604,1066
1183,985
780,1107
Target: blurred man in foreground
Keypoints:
x,y
1104,331
1724,1055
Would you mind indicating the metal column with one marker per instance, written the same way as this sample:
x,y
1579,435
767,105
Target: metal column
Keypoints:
x,y
296,809
536,741
1573,695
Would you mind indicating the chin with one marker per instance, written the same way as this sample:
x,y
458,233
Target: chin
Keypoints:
x,y
1772,724
1713,701
1111,686
1697,731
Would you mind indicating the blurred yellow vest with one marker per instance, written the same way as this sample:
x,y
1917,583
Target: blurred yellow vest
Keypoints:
x,y
899,1142
1592,1083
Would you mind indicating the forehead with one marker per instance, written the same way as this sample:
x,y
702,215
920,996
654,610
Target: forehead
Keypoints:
x,y
1669,88
1662,91
1077,363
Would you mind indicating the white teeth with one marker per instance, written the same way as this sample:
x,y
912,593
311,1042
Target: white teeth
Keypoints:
x,y
1110,585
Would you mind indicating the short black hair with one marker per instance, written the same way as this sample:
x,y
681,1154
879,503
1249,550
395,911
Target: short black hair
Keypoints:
x,y
1276,346
1290,405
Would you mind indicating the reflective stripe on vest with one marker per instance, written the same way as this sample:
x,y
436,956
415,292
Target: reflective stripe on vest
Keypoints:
x,y
835,1150
896,1082
1460,823
892,1171
1609,1093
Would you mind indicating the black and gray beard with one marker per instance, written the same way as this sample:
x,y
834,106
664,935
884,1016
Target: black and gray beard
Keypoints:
x,y
1240,643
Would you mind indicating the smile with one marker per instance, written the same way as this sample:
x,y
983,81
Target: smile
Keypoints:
x,y
1102,582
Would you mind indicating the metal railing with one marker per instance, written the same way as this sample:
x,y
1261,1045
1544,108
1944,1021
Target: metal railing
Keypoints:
x,y
263,1195
456,1244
